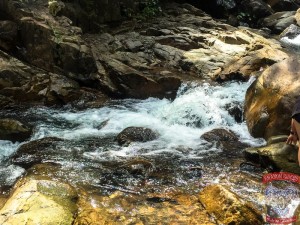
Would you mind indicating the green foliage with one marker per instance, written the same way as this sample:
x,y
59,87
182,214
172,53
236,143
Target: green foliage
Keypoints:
x,y
151,9
246,17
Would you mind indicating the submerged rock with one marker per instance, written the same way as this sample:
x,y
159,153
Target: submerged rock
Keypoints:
x,y
14,130
155,208
40,202
136,134
275,157
37,151
227,207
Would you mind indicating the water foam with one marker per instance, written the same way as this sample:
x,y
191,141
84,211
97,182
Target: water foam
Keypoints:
x,y
180,123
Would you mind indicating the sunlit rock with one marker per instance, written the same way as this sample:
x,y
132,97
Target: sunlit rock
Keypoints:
x,y
275,157
297,17
14,130
259,55
270,99
227,207
40,202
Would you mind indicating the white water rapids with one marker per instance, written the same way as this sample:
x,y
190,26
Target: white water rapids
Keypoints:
x,y
180,123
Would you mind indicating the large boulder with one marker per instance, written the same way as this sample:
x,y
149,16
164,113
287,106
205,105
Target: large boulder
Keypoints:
x,y
270,99
275,157
227,207
14,130
40,202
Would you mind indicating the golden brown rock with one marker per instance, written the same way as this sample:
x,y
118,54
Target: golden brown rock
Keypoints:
x,y
40,202
121,208
227,207
270,99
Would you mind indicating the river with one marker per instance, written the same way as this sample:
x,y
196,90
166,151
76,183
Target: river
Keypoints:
x,y
89,156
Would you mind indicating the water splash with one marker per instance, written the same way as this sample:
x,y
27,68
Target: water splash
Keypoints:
x,y
180,123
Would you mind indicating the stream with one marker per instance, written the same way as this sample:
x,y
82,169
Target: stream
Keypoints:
x,y
81,146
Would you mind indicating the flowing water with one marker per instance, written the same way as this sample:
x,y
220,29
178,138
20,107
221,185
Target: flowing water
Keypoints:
x,y
87,154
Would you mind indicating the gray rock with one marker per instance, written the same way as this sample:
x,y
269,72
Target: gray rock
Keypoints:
x,y
278,22
134,46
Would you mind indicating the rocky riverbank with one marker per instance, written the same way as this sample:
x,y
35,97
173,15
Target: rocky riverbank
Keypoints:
x,y
46,61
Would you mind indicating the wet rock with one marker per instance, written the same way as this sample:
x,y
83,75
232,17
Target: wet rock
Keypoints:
x,y
14,130
138,166
275,157
224,139
136,134
219,135
227,207
40,202
279,21
291,32
270,99
235,110
37,151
